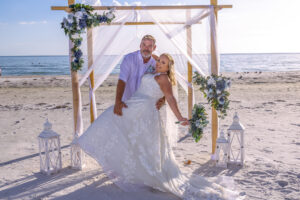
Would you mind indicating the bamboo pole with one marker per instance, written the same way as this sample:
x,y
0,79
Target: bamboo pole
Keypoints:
x,y
214,70
76,153
75,82
90,63
67,9
190,68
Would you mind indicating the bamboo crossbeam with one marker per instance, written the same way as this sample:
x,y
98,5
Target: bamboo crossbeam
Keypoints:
x,y
67,9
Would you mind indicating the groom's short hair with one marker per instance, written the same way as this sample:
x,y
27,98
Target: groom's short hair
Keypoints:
x,y
149,37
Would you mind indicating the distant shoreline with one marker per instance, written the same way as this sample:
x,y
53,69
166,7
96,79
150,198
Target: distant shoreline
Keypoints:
x,y
113,55
59,64
64,76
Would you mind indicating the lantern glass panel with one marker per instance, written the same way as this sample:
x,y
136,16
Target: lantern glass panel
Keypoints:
x,y
235,145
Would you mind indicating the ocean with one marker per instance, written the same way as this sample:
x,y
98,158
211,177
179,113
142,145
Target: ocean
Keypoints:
x,y
58,65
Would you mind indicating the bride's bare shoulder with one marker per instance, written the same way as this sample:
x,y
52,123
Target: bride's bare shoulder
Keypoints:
x,y
162,79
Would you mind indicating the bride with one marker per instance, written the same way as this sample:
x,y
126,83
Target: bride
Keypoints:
x,y
135,149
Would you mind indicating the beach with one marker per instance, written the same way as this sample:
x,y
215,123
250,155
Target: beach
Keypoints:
x,y
268,104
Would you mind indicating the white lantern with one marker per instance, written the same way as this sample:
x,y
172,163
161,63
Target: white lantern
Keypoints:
x,y
50,152
236,153
77,155
221,151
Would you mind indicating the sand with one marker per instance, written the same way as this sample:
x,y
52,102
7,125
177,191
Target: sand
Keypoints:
x,y
268,104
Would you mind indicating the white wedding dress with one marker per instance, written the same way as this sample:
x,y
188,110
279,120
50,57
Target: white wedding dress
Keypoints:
x,y
134,150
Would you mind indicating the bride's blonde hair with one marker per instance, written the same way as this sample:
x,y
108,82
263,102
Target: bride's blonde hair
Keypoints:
x,y
171,72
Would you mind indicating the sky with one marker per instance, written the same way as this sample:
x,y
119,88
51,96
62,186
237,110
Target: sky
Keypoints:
x,y
252,26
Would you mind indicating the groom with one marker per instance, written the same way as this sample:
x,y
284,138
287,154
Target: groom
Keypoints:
x,y
133,67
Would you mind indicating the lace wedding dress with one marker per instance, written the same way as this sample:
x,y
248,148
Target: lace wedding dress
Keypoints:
x,y
134,150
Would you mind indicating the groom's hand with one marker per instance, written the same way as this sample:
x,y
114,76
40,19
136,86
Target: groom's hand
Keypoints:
x,y
118,108
160,103
155,57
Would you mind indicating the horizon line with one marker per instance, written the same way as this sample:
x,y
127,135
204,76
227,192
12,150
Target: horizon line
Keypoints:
x,y
116,54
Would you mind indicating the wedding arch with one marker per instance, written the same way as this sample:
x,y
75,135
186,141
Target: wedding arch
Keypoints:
x,y
188,32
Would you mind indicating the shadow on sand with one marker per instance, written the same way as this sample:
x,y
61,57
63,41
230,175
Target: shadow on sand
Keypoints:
x,y
73,184
209,169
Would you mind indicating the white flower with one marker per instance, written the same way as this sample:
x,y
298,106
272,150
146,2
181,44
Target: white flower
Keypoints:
x,y
65,22
193,112
77,20
76,36
78,14
218,91
70,18
206,91
109,15
71,21
211,81
198,124
210,93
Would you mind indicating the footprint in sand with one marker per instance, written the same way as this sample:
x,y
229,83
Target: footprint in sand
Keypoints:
x,y
40,104
282,183
290,104
60,106
271,172
257,173
268,110
295,124
267,150
270,103
279,100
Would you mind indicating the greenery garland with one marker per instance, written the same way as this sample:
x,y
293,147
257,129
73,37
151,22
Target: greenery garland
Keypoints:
x,y
215,88
80,18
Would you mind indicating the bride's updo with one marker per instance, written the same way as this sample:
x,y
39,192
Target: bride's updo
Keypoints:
x,y
171,72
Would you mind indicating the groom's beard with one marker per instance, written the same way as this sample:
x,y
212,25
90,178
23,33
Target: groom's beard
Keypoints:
x,y
146,55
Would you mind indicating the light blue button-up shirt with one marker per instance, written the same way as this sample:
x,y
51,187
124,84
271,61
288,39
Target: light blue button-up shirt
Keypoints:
x,y
131,71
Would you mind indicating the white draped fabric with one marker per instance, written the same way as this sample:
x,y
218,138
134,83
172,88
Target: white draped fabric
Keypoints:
x,y
169,27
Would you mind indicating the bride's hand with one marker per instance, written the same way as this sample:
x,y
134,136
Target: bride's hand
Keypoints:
x,y
184,121
118,108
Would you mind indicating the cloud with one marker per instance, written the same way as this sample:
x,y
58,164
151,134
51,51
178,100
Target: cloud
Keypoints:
x,y
135,3
33,22
116,3
177,4
92,2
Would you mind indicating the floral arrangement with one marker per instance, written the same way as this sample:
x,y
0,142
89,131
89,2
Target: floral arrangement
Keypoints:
x,y
80,18
150,69
215,89
198,121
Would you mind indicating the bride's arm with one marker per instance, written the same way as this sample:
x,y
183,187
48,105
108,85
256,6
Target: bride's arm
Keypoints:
x,y
166,88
